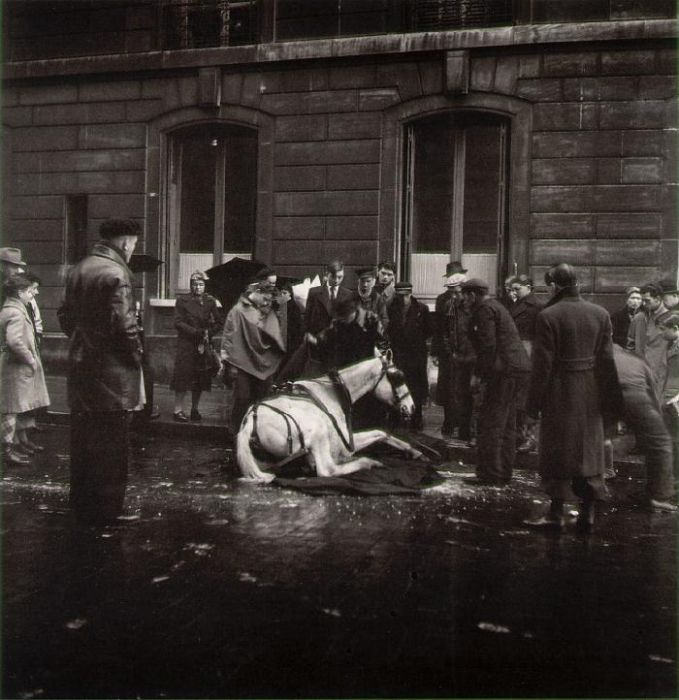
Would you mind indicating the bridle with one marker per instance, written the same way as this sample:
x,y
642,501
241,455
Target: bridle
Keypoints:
x,y
396,380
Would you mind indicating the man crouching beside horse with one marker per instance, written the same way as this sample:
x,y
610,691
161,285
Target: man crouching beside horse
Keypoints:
x,y
312,417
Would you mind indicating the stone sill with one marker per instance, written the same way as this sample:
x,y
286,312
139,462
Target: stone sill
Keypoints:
x,y
515,36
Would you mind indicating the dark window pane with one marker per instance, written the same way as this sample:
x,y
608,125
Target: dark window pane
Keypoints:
x,y
197,218
240,190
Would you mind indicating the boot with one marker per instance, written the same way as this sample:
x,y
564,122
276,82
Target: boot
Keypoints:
x,y
12,456
585,521
552,520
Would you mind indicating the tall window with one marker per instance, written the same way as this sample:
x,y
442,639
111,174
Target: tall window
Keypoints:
x,y
212,198
455,197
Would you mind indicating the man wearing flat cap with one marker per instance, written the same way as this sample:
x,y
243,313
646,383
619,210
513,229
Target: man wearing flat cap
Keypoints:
x,y
453,353
368,297
104,371
410,329
502,367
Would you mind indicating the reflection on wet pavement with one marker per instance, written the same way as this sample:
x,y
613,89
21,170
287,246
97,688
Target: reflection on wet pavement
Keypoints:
x,y
213,587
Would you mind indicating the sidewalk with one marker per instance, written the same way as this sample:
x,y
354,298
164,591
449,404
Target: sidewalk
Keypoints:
x,y
215,407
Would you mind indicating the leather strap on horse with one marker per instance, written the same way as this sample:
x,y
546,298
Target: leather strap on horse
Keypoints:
x,y
256,446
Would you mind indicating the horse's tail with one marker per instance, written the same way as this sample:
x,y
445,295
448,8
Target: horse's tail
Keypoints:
x,y
246,460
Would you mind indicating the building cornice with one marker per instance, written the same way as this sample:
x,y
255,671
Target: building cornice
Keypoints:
x,y
352,47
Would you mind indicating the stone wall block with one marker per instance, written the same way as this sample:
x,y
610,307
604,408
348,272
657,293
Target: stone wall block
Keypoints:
x,y
657,87
627,62
626,252
643,114
291,252
74,161
10,96
643,143
482,71
36,207
666,61
232,85
605,88
45,138
377,99
327,153
310,103
573,251
571,63
299,178
143,110
351,252
507,74
46,253
431,77
303,80
34,230
301,128
574,144
112,136
325,203
628,225
559,199
109,91
540,90
105,206
530,66
563,171
355,125
617,279
642,170
405,77
252,94
351,228
633,198
575,116
353,177
113,182
554,225
17,116
52,94
89,113
345,77
44,183
608,171
299,227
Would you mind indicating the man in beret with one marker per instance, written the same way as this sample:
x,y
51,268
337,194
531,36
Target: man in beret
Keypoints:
x,y
572,380
501,368
104,371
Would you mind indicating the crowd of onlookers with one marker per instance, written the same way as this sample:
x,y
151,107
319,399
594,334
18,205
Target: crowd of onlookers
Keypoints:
x,y
515,373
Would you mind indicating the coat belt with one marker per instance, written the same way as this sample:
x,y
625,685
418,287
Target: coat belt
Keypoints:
x,y
575,364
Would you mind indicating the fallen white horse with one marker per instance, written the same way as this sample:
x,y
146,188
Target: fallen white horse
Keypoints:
x,y
310,418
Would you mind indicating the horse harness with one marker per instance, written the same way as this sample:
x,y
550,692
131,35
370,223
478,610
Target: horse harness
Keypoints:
x,y
299,391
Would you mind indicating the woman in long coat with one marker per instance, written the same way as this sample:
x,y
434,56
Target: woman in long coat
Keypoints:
x,y
21,372
196,319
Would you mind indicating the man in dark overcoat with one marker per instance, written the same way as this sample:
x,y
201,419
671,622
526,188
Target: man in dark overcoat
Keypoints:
x,y
409,331
524,313
453,352
104,371
501,367
573,377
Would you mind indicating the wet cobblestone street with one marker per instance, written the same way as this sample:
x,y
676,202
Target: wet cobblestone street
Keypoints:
x,y
212,587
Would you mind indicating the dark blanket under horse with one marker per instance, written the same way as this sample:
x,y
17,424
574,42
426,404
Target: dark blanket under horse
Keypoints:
x,y
396,475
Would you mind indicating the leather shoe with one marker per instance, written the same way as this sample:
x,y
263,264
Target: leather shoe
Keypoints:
x,y
154,415
526,446
661,505
180,417
13,456
546,522
195,414
585,521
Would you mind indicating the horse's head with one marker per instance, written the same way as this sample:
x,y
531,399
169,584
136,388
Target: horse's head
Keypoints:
x,y
392,389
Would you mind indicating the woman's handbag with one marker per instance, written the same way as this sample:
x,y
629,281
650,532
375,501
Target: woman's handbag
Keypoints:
x,y
211,362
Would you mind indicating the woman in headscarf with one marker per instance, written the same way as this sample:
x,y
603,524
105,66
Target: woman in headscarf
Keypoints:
x,y
196,319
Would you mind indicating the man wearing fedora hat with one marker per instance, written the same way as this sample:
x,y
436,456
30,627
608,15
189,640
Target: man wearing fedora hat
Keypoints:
x,y
11,263
452,351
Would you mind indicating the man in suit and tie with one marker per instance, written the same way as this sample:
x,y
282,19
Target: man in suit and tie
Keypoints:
x,y
322,301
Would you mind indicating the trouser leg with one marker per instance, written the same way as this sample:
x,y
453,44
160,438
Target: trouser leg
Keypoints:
x,y
496,436
99,464
672,424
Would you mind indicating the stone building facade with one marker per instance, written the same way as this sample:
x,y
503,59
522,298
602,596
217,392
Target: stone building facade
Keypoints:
x,y
547,133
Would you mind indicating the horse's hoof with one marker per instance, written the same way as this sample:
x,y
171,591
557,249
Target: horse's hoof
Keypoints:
x,y
416,454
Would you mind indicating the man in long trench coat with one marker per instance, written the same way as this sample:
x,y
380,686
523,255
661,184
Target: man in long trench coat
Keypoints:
x,y
573,378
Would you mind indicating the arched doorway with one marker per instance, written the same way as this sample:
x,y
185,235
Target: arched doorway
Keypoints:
x,y
454,199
